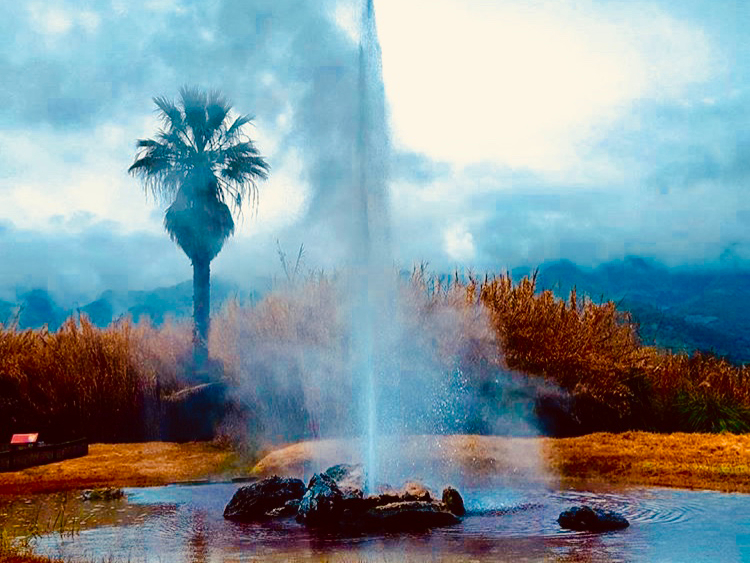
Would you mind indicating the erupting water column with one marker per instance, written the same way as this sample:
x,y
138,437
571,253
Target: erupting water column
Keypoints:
x,y
373,278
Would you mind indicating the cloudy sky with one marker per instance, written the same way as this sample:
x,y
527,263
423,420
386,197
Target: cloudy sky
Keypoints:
x,y
523,131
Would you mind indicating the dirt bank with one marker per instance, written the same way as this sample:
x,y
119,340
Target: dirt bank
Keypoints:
x,y
697,461
125,465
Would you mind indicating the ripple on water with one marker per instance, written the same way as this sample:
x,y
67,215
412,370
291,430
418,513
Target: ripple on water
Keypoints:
x,y
648,506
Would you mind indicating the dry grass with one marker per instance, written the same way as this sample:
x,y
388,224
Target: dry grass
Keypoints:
x,y
718,462
78,381
127,465
592,351
698,461
12,555
288,359
84,381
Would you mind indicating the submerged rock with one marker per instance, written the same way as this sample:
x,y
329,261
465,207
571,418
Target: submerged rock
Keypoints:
x,y
107,493
453,501
585,518
265,499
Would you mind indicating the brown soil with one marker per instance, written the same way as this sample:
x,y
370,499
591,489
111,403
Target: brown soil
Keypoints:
x,y
124,465
692,461
695,461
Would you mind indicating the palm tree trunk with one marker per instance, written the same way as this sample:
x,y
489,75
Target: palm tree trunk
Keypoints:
x,y
201,311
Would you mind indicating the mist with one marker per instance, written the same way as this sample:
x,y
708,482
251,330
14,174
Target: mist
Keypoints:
x,y
439,370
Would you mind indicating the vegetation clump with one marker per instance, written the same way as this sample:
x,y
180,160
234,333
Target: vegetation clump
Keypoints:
x,y
474,347
80,381
592,352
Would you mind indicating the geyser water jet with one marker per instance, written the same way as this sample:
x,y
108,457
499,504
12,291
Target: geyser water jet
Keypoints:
x,y
373,280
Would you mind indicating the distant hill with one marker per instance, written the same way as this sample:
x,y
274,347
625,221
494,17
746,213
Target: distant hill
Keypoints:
x,y
681,309
677,308
37,308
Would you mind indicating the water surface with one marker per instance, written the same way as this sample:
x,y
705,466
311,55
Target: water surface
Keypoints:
x,y
185,523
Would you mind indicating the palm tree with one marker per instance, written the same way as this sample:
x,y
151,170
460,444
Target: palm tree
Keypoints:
x,y
200,162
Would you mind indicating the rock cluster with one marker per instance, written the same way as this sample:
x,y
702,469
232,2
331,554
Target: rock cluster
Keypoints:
x,y
265,499
585,518
335,499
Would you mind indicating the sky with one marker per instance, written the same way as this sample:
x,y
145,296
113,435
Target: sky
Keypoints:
x,y
522,131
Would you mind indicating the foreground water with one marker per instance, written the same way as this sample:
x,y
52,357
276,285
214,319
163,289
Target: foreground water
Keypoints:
x,y
185,523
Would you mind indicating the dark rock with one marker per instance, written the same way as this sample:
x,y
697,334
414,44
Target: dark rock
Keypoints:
x,y
350,479
290,508
416,491
408,515
344,471
259,500
585,518
322,503
335,499
453,501
387,496
108,493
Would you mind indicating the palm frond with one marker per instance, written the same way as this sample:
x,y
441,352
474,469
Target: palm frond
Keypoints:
x,y
236,127
170,113
148,165
140,143
246,168
178,140
194,102
217,109
201,163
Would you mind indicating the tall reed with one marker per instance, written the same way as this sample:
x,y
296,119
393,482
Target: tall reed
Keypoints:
x,y
78,381
287,362
592,351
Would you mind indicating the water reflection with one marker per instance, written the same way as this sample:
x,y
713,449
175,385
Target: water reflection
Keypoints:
x,y
186,524
198,542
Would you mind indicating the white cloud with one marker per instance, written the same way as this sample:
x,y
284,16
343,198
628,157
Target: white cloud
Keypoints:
x,y
62,176
55,22
526,84
50,21
348,17
164,6
282,199
89,21
459,243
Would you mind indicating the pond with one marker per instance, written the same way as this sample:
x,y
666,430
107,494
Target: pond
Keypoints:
x,y
185,523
